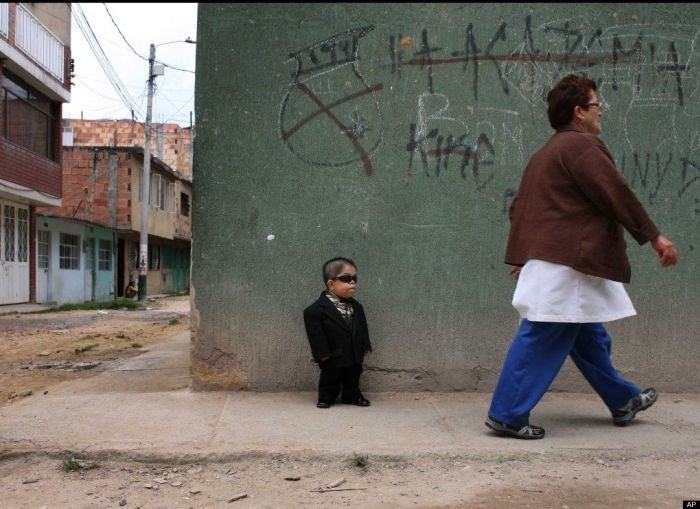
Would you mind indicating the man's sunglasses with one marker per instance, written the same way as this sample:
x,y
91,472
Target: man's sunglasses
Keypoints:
x,y
346,278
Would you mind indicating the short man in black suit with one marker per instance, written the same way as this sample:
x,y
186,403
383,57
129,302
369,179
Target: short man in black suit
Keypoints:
x,y
337,330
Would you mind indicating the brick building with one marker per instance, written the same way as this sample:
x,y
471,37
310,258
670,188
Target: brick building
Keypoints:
x,y
102,171
170,143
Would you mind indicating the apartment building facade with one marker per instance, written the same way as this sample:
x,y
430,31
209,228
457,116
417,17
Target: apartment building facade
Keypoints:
x,y
35,66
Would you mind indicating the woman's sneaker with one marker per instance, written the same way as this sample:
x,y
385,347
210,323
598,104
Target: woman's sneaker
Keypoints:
x,y
623,416
528,432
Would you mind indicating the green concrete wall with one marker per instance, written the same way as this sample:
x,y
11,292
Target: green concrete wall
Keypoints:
x,y
396,134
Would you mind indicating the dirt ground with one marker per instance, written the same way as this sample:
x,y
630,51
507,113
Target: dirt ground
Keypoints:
x,y
40,350
591,481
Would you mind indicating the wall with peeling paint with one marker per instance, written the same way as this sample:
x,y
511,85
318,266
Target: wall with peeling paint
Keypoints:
x,y
396,134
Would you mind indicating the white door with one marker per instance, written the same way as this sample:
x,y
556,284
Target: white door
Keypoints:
x,y
14,253
43,261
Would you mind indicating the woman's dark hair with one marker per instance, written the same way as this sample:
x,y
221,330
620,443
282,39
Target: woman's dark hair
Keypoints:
x,y
333,267
571,91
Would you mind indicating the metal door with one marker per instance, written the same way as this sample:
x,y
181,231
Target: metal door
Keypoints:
x,y
14,253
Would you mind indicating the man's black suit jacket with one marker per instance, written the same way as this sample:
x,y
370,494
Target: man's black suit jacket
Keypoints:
x,y
331,336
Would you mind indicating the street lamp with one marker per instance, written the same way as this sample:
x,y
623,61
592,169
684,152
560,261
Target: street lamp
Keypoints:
x,y
153,71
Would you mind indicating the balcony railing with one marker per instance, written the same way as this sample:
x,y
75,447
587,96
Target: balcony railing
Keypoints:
x,y
38,43
4,19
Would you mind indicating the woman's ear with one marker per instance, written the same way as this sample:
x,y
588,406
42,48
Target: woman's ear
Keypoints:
x,y
578,113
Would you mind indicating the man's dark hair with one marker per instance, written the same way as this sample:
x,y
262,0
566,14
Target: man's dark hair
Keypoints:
x,y
333,267
571,91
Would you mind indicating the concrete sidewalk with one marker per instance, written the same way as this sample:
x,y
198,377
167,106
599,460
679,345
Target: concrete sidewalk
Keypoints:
x,y
142,409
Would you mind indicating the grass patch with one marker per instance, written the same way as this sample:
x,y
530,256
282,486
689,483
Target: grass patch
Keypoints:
x,y
174,321
85,348
136,345
108,304
122,336
23,394
359,460
73,465
70,465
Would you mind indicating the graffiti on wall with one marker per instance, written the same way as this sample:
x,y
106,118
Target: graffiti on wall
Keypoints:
x,y
452,142
327,85
522,63
640,70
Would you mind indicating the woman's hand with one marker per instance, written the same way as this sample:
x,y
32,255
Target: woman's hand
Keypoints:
x,y
515,272
666,251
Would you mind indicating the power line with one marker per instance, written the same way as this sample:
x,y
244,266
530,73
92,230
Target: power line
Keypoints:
x,y
123,37
136,52
178,110
135,107
175,68
102,59
82,80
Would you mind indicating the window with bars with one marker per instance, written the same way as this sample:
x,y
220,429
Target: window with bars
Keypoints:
x,y
105,255
44,249
9,224
22,234
26,117
69,252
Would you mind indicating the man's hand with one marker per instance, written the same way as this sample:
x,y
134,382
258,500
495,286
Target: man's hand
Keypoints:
x,y
666,251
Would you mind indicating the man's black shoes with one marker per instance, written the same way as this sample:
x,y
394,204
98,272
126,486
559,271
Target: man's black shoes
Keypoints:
x,y
361,401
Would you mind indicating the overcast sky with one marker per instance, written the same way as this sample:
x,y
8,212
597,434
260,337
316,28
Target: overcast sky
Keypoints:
x,y
93,96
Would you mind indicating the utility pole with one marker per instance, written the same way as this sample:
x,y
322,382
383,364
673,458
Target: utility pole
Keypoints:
x,y
153,71
146,182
